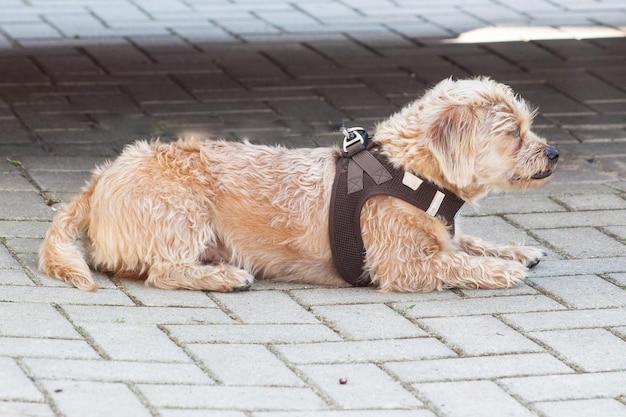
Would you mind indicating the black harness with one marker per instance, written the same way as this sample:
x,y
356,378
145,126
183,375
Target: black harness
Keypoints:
x,y
351,189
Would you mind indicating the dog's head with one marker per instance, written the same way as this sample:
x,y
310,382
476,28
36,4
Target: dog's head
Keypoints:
x,y
472,136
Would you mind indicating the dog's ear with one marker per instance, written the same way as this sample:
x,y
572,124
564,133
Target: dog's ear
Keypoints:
x,y
453,138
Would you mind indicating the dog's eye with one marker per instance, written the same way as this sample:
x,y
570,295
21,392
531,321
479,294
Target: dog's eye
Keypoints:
x,y
516,133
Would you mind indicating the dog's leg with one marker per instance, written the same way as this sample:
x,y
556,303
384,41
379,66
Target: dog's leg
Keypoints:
x,y
196,276
450,269
460,270
409,251
526,255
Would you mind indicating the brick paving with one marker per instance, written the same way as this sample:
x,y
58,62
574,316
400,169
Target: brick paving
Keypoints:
x,y
80,79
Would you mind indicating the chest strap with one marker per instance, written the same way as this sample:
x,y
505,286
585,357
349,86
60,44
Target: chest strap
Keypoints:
x,y
362,173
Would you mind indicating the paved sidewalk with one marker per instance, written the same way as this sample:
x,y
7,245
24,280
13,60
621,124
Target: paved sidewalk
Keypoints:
x,y
79,79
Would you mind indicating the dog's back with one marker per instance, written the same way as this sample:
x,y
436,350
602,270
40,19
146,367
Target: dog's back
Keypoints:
x,y
159,205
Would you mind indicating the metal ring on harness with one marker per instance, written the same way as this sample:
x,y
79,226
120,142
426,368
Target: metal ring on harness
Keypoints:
x,y
354,136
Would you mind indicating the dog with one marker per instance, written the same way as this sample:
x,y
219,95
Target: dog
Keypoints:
x,y
215,215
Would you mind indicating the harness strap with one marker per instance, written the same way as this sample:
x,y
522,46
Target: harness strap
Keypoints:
x,y
365,161
352,188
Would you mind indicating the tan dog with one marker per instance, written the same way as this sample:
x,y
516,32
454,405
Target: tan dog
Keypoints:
x,y
213,215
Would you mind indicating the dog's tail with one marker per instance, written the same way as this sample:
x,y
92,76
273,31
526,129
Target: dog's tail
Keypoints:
x,y
59,256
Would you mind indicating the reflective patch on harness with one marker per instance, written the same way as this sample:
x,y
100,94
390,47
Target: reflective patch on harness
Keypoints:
x,y
412,181
436,203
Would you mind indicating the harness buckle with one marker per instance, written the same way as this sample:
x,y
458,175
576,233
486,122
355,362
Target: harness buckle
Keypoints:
x,y
352,137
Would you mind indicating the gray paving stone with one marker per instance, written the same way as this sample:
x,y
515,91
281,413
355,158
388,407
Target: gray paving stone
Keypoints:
x,y
352,97
15,385
582,242
571,219
22,347
243,365
24,320
156,297
595,149
16,408
145,315
81,398
116,371
310,111
567,387
12,181
65,295
480,335
494,229
550,268
265,307
575,345
167,91
570,319
368,321
616,164
600,407
134,342
7,261
478,306
61,182
366,386
42,122
485,367
585,291
597,135
329,296
14,277
201,413
31,30
208,108
619,279
577,173
84,25
70,63
364,351
22,245
620,331
485,63
619,232
348,413
589,120
252,333
585,87
521,289
514,203
231,398
472,398
23,205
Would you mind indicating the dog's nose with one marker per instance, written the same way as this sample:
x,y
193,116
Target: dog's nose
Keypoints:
x,y
552,154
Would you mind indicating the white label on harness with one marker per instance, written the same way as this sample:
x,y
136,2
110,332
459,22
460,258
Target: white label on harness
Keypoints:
x,y
436,203
411,181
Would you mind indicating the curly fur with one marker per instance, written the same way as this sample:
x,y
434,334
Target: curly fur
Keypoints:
x,y
213,215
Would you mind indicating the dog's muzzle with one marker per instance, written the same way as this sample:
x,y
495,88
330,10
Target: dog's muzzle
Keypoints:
x,y
552,154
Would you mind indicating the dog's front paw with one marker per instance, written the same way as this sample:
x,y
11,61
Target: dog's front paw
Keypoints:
x,y
506,274
244,285
529,256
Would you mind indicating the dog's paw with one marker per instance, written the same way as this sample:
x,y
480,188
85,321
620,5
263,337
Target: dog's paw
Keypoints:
x,y
507,274
529,256
236,279
244,285
494,274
